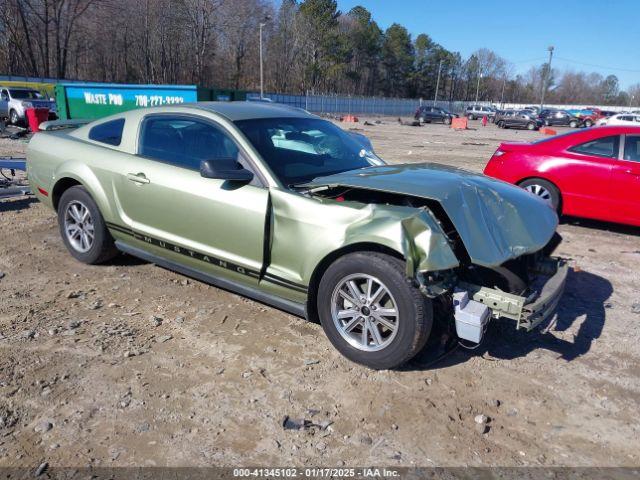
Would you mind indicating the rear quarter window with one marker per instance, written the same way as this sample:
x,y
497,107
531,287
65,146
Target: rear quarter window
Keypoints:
x,y
108,132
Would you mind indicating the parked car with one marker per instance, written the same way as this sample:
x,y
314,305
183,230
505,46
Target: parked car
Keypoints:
x,y
473,112
427,114
15,101
318,225
592,173
608,113
551,117
533,109
621,119
518,119
589,116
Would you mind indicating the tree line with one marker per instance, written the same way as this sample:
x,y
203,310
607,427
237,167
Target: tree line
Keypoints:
x,y
309,46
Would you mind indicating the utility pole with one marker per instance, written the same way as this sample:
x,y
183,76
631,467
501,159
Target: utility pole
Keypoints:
x,y
262,24
435,98
478,86
504,83
546,77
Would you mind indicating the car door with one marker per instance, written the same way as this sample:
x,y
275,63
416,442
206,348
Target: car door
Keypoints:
x,y
625,182
586,179
215,224
4,103
509,119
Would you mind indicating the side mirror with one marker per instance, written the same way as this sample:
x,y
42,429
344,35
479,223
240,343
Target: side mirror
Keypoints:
x,y
225,169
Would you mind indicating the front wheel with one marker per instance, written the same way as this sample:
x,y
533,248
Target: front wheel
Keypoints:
x,y
447,120
83,229
573,124
588,123
547,191
371,313
14,119
531,126
470,117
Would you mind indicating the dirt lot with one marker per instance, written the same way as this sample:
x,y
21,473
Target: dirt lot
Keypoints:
x,y
129,364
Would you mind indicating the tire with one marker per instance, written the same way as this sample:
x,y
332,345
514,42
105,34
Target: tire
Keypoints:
x,y
413,318
500,124
13,118
588,123
573,124
531,126
547,123
471,117
73,204
447,120
544,189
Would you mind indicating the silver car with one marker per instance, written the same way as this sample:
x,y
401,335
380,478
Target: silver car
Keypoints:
x,y
14,102
474,112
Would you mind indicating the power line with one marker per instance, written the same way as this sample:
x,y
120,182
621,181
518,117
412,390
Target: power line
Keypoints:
x,y
630,70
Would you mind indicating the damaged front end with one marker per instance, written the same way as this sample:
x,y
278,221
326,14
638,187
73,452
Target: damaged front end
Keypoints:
x,y
524,283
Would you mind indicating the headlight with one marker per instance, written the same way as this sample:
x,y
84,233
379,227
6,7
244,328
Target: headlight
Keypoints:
x,y
27,104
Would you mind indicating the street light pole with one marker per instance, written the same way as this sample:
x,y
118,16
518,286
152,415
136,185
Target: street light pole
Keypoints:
x,y
478,86
435,98
504,83
546,77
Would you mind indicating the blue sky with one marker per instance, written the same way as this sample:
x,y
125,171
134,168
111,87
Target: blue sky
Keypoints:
x,y
587,34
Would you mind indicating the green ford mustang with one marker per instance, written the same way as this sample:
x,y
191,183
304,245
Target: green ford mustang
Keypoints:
x,y
281,206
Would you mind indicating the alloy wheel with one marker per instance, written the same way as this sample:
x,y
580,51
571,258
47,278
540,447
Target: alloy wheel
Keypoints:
x,y
364,312
540,191
78,226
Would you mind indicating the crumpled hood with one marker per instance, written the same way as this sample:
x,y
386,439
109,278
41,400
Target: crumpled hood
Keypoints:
x,y
495,220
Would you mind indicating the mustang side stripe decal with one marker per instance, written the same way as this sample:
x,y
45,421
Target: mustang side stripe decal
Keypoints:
x,y
207,258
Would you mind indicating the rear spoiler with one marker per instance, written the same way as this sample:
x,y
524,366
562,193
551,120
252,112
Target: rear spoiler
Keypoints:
x,y
62,124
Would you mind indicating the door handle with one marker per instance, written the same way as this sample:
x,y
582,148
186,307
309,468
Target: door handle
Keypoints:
x,y
630,171
138,178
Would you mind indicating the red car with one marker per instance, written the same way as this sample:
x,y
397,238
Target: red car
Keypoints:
x,y
592,173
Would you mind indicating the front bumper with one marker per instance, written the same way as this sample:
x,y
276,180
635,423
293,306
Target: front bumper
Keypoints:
x,y
531,311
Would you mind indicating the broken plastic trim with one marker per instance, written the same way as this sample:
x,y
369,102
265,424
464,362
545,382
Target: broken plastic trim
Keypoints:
x,y
529,312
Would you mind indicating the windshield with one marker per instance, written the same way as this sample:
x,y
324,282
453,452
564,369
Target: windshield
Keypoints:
x,y
297,150
25,94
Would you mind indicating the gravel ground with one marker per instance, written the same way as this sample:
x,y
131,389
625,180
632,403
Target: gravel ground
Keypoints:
x,y
131,365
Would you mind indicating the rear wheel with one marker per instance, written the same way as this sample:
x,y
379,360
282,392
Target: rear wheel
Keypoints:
x,y
588,123
500,124
83,229
544,189
447,120
371,313
471,117
531,126
573,124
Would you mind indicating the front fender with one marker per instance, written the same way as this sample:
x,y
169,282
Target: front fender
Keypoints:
x,y
308,229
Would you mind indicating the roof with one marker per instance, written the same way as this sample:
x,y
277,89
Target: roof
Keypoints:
x,y
249,110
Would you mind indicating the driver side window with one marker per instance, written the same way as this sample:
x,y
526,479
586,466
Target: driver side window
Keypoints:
x,y
184,141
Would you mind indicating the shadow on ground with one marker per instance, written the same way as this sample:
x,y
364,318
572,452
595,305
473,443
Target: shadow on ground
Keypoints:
x,y
15,205
584,300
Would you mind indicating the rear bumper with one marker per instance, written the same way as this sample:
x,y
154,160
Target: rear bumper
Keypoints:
x,y
531,311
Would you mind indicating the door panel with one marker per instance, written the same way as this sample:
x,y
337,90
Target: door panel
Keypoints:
x,y
210,217
585,180
217,224
625,182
